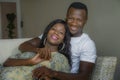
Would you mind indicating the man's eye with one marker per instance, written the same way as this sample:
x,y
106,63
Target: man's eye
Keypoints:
x,y
79,20
70,19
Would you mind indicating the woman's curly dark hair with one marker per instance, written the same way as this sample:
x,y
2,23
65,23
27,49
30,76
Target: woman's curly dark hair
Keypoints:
x,y
66,50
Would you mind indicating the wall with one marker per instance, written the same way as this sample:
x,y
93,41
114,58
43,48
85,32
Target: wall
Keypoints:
x,y
103,22
36,14
104,17
0,22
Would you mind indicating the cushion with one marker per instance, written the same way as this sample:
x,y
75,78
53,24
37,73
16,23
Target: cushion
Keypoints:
x,y
9,47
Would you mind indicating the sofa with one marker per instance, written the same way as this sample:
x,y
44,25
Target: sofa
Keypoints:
x,y
104,67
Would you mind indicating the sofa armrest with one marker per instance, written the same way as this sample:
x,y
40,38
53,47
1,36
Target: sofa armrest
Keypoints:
x,y
104,68
9,47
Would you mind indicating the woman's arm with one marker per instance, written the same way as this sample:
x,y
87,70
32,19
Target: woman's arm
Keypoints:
x,y
16,62
22,62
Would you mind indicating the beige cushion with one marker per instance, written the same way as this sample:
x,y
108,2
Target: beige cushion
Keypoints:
x,y
9,47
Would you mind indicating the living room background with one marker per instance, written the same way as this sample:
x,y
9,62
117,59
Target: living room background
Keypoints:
x,y
103,23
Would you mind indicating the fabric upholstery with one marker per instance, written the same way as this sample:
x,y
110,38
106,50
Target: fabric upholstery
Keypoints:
x,y
9,47
104,68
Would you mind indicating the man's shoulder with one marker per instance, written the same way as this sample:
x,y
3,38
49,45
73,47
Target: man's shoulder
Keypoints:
x,y
89,44
87,39
83,38
83,41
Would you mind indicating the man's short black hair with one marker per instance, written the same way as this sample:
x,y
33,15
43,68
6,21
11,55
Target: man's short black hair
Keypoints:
x,y
78,5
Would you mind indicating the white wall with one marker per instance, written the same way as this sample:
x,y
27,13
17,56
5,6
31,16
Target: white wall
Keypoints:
x,y
0,23
36,14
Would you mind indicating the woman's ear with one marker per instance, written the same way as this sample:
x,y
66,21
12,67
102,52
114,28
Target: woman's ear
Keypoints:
x,y
63,46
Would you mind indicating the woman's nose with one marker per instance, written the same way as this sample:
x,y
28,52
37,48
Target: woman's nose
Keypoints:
x,y
56,32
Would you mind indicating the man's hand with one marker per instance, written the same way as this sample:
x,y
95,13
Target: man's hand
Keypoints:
x,y
44,53
42,72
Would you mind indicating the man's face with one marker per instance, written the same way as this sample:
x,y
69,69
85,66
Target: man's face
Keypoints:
x,y
76,18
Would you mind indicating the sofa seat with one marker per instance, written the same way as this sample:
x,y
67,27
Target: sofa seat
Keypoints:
x,y
104,66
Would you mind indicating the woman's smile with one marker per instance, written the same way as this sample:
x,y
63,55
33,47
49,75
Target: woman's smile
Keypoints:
x,y
54,37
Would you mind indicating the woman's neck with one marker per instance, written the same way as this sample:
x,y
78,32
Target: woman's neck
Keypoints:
x,y
51,47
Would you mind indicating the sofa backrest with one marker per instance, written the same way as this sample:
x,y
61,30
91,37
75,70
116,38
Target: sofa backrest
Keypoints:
x,y
9,47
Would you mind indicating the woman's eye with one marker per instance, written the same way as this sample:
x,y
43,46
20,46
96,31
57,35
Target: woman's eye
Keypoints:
x,y
61,33
52,28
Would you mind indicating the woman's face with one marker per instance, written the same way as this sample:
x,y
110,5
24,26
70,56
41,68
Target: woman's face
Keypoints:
x,y
56,34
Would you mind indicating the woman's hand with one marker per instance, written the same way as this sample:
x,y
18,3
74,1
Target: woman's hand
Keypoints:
x,y
36,59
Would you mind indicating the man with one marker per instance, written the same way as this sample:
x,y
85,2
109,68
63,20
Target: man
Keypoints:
x,y
83,51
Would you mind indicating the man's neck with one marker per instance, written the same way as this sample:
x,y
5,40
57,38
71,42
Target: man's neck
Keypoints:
x,y
77,35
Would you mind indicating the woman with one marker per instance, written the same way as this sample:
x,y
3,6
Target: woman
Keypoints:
x,y
56,37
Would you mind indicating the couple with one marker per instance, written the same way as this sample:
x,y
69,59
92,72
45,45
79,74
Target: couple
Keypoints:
x,y
81,56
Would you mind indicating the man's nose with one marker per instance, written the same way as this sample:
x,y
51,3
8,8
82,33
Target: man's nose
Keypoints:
x,y
74,22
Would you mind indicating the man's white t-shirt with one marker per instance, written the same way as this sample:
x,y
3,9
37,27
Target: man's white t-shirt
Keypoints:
x,y
82,49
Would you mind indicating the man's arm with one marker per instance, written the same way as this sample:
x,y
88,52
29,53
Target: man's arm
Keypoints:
x,y
33,46
85,71
30,45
